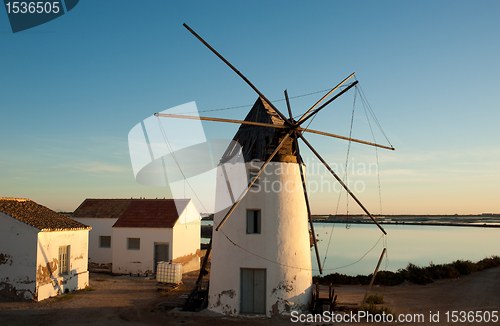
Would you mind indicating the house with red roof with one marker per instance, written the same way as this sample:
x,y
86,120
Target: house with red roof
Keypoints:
x,y
133,235
42,253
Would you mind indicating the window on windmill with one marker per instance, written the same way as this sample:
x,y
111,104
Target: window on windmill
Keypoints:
x,y
63,260
104,241
252,174
133,243
253,221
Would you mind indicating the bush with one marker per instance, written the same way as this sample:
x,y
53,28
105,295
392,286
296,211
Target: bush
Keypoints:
x,y
375,298
443,271
413,273
464,267
416,274
373,310
493,261
388,278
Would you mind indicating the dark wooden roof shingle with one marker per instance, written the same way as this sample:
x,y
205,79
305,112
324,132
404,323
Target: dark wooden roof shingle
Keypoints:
x,y
259,142
38,216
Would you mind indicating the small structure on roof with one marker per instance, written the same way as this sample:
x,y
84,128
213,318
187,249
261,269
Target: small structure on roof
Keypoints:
x,y
42,253
133,235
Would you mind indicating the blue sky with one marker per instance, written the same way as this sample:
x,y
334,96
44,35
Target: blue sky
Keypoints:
x,y
72,89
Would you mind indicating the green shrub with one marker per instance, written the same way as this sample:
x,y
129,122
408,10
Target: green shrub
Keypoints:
x,y
413,273
443,271
387,311
374,310
464,267
375,298
416,274
388,278
490,262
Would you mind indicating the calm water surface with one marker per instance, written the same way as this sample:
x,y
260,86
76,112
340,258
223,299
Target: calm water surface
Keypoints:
x,y
418,244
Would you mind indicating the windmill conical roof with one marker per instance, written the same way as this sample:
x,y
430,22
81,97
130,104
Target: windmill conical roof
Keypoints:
x,y
259,142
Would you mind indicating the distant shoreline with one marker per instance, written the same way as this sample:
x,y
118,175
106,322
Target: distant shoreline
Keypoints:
x,y
484,220
483,225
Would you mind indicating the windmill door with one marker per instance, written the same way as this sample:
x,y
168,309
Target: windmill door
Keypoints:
x,y
161,253
253,291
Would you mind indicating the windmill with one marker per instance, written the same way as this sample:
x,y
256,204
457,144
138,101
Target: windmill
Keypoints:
x,y
261,261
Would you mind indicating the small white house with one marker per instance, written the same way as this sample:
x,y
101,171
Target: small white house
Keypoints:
x,y
132,235
100,214
42,253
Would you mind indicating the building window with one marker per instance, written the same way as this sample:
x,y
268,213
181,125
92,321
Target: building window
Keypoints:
x,y
133,243
63,260
252,174
253,221
104,241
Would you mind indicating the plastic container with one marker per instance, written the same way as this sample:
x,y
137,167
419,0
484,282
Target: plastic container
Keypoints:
x,y
168,273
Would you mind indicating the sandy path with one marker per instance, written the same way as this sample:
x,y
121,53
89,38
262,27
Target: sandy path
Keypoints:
x,y
475,292
123,300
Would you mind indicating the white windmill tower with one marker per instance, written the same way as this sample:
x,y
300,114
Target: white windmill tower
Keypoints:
x,y
261,260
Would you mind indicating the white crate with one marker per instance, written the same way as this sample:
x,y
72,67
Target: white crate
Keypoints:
x,y
168,273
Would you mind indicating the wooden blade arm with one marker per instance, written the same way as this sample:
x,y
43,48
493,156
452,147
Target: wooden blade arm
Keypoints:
x,y
306,197
328,102
180,116
342,183
345,138
326,95
288,105
252,181
238,73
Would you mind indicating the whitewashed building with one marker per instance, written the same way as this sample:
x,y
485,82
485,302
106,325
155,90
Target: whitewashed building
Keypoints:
x,y
100,214
261,259
132,235
42,253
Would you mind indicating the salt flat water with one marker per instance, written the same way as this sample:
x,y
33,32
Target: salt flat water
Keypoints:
x,y
418,244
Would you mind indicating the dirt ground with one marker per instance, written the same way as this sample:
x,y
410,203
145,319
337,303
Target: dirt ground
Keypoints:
x,y
125,300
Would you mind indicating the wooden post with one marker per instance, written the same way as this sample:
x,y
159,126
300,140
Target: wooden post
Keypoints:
x,y
309,215
373,277
331,296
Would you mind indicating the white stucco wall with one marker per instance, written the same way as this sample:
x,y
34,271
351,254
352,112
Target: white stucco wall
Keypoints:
x,y
183,243
282,248
100,227
17,258
187,239
49,282
137,261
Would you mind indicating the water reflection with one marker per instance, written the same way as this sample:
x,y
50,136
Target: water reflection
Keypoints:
x,y
418,244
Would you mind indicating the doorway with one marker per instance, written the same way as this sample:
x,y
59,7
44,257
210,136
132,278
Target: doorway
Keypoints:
x,y
161,254
253,291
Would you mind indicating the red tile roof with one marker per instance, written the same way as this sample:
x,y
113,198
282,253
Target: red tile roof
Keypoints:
x,y
38,216
134,213
102,208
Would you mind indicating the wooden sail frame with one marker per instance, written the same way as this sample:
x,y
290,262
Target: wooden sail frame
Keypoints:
x,y
294,130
